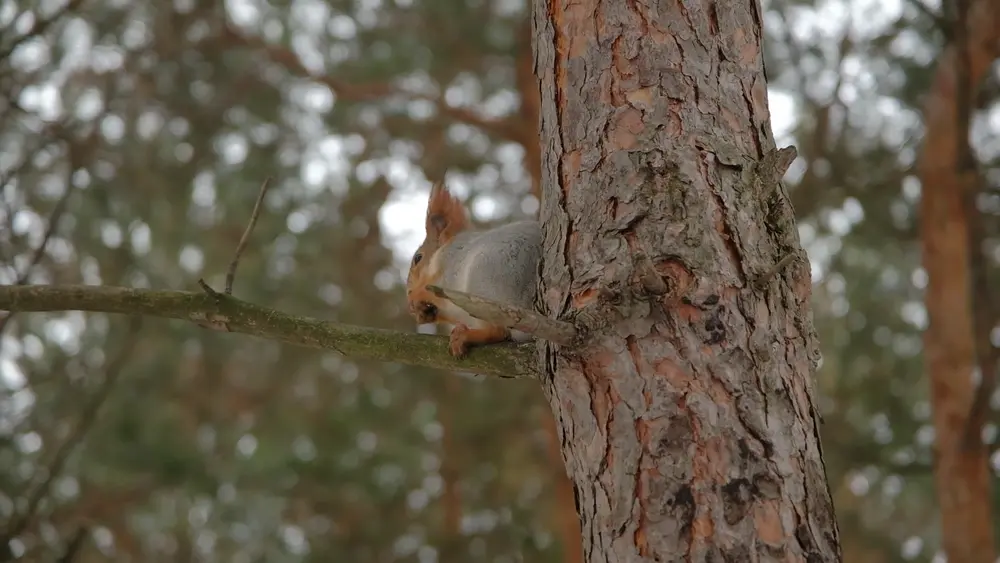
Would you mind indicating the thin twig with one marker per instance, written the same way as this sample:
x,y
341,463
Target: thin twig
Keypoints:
x,y
212,321
39,28
7,175
20,522
57,213
940,21
36,257
231,274
75,545
51,132
503,127
207,288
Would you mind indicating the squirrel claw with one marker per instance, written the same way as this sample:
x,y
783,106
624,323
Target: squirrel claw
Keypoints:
x,y
457,340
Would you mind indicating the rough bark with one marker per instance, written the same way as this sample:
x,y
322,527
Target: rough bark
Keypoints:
x,y
528,116
527,86
686,416
565,506
961,470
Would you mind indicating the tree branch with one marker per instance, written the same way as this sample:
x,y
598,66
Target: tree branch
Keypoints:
x,y
502,128
509,316
228,313
75,545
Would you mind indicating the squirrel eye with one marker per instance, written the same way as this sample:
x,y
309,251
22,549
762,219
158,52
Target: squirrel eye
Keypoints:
x,y
417,257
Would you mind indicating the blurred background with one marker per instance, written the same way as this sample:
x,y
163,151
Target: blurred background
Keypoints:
x,y
134,136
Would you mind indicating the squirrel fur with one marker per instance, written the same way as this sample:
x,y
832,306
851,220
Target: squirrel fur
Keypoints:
x,y
499,264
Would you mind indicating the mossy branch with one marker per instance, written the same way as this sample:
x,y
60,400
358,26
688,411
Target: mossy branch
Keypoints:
x,y
224,312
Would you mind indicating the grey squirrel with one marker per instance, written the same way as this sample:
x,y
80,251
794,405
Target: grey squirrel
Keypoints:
x,y
499,264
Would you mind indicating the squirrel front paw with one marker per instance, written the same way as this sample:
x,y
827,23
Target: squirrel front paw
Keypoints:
x,y
457,341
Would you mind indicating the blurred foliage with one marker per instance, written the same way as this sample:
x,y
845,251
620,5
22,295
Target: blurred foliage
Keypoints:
x,y
155,124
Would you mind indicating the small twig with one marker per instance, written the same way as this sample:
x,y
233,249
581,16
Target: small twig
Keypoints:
x,y
212,321
502,128
39,28
231,274
75,545
207,288
20,522
10,173
36,257
50,231
509,316
940,21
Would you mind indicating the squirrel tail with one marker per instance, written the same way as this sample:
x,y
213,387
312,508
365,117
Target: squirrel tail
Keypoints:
x,y
446,216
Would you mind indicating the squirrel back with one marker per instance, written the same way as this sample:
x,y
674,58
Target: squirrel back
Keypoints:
x,y
499,264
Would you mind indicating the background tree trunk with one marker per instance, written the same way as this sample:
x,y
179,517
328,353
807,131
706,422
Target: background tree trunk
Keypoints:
x,y
686,419
961,469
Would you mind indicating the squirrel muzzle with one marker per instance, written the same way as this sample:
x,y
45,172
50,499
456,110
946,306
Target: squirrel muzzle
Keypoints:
x,y
424,312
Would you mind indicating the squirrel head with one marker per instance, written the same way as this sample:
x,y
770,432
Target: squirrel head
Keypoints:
x,y
446,217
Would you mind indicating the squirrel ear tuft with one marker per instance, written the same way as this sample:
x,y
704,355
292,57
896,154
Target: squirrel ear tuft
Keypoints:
x,y
445,214
438,222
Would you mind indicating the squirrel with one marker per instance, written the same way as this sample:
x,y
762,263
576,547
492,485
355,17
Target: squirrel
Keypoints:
x,y
500,264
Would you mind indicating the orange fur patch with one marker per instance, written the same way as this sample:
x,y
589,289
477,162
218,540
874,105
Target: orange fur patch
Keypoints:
x,y
446,217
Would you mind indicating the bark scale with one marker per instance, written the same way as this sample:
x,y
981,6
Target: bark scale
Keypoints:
x,y
686,415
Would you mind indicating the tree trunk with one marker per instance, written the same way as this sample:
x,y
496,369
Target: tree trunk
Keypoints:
x,y
527,86
686,414
961,470
565,509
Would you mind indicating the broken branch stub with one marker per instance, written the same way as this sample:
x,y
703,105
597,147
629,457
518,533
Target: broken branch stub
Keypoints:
x,y
509,316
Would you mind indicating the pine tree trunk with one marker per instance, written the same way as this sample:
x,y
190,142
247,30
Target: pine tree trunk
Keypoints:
x,y
961,469
686,416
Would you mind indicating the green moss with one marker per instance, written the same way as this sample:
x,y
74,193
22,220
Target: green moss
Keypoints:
x,y
227,313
